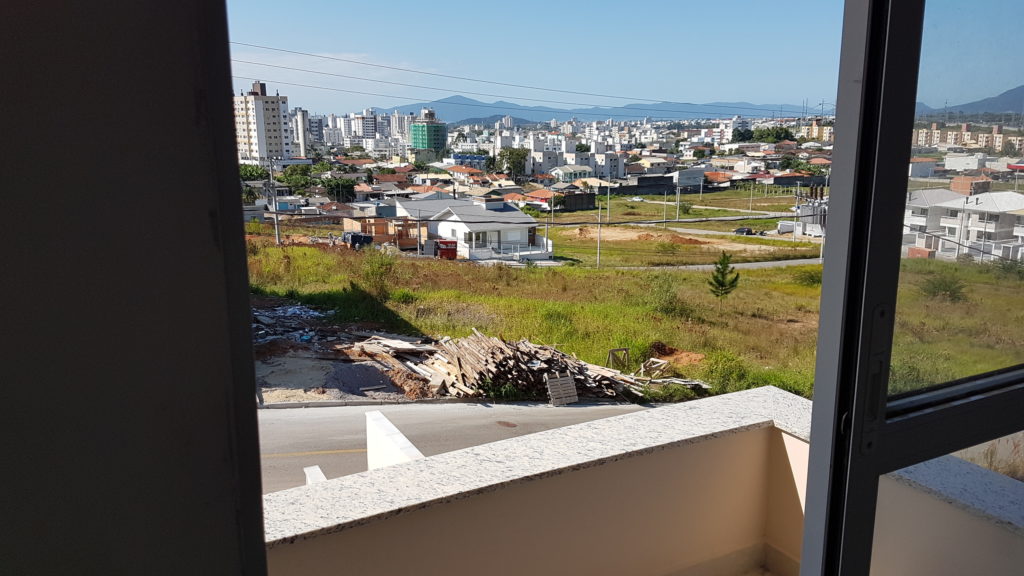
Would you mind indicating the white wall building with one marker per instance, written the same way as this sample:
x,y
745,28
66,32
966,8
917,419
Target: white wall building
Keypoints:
x,y
965,161
262,127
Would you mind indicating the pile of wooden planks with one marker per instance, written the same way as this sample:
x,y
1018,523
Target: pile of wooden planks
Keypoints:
x,y
480,365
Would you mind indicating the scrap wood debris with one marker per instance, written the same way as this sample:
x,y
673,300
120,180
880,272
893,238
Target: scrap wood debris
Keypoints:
x,y
479,365
471,367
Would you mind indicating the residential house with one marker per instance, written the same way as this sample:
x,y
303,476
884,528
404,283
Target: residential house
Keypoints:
x,y
463,174
571,172
921,167
488,229
399,180
985,225
920,221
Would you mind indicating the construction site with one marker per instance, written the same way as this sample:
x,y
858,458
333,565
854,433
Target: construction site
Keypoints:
x,y
301,357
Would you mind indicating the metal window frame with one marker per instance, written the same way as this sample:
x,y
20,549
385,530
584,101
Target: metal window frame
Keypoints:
x,y
857,431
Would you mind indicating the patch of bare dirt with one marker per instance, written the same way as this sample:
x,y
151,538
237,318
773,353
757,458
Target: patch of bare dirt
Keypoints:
x,y
675,356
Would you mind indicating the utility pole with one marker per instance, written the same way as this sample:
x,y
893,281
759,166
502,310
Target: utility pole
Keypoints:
x,y
272,199
608,208
599,236
664,204
677,202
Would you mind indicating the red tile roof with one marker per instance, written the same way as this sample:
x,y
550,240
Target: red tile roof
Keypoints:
x,y
463,170
718,176
543,194
397,178
425,188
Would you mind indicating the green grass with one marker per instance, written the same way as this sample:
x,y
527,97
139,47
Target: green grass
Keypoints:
x,y
767,324
939,339
625,210
765,334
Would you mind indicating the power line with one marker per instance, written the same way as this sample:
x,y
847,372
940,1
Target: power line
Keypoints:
x,y
709,107
493,82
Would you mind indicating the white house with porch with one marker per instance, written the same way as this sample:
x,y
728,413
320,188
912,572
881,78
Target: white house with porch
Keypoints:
x,y
490,228
985,226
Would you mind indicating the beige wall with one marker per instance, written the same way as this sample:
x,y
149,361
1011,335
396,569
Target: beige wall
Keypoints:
x,y
653,514
787,484
918,534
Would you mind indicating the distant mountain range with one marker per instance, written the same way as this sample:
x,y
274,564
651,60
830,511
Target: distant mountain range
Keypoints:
x,y
1011,101
462,110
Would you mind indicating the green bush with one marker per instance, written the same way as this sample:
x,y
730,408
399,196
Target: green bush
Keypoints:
x,y
378,271
808,276
404,296
669,393
944,286
725,372
666,248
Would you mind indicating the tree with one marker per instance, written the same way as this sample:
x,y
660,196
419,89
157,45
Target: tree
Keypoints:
x,y
1009,148
699,153
583,147
340,189
724,278
742,135
513,160
248,172
249,194
296,176
321,167
772,134
633,158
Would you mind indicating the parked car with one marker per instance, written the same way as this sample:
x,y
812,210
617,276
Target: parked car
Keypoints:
x,y
636,199
744,232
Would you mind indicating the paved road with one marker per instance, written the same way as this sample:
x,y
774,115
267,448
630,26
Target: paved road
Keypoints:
x,y
334,438
740,265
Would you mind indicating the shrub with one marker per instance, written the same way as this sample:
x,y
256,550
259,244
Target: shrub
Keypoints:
x,y
669,393
685,207
404,296
378,271
666,248
808,276
725,372
944,286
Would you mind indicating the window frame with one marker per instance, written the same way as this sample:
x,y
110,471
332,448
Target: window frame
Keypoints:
x,y
858,432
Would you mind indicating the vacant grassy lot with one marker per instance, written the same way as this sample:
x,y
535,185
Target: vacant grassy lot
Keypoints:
x,y
764,333
744,197
657,246
953,320
626,210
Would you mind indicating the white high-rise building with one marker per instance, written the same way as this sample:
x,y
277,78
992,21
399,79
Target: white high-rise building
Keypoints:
x,y
262,127
300,129
400,124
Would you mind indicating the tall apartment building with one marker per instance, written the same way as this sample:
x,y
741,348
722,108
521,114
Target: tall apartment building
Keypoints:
x,y
428,133
262,127
400,124
300,129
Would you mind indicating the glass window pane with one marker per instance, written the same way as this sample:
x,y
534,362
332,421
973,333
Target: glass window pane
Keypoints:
x,y
952,516
958,310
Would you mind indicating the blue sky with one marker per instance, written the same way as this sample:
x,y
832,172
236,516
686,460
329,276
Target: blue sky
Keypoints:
x,y
746,50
